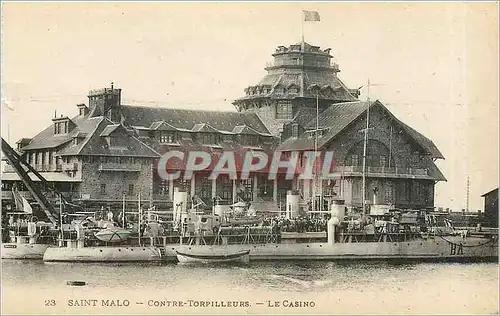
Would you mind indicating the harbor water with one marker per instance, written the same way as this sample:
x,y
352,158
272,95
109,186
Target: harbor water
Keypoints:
x,y
264,288
34,287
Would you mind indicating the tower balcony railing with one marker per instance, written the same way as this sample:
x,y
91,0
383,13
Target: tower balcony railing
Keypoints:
x,y
384,170
276,64
113,166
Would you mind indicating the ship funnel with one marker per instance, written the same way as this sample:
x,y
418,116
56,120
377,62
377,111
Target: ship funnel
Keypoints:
x,y
337,212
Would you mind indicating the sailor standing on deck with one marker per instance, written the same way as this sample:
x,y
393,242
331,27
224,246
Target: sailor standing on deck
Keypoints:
x,y
110,215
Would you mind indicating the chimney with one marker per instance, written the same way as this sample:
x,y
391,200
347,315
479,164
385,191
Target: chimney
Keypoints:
x,y
82,109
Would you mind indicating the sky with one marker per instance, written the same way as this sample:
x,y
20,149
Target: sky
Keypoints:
x,y
434,65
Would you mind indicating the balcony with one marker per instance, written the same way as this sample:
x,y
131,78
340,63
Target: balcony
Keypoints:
x,y
386,171
73,166
38,167
127,167
7,195
47,168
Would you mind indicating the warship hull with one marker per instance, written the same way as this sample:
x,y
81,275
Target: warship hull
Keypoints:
x,y
23,251
451,248
103,254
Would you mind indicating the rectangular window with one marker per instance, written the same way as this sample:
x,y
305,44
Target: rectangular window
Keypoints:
x,y
130,189
250,140
284,110
416,191
383,161
103,188
163,187
356,188
415,159
167,137
245,189
208,138
295,130
354,160
388,191
402,191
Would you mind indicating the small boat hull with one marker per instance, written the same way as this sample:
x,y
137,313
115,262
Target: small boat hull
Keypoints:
x,y
103,254
211,256
23,251
115,234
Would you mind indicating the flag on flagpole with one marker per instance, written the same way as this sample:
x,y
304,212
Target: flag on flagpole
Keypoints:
x,y
311,15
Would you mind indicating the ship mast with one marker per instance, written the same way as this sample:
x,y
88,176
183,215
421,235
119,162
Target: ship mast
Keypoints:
x,y
140,217
61,218
364,147
468,195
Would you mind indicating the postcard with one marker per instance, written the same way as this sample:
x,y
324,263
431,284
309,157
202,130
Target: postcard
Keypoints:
x,y
298,158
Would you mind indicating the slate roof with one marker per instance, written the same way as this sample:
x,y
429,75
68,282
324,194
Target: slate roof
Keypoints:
x,y
338,116
47,139
322,78
435,173
161,125
490,192
109,129
187,119
203,127
243,129
305,115
96,145
286,75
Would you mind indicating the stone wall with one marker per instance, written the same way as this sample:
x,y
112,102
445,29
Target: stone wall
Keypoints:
x,y
117,182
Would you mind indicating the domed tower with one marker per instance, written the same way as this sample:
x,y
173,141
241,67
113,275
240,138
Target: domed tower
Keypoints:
x,y
299,75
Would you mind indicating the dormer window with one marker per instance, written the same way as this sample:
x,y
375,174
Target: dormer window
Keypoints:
x,y
167,137
61,128
82,109
63,125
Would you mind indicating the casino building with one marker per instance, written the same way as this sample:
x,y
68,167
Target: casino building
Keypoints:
x,y
109,152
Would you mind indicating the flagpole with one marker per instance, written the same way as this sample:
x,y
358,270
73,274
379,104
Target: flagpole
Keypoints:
x,y
61,219
316,148
302,21
123,210
140,215
364,148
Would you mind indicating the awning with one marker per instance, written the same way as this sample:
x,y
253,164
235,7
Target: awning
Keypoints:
x,y
49,176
